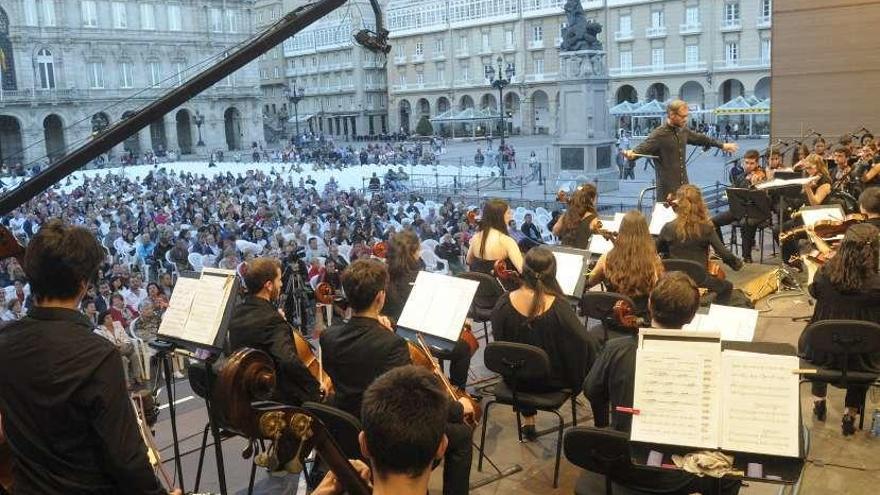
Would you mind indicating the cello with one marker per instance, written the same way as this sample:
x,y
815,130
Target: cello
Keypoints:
x,y
421,356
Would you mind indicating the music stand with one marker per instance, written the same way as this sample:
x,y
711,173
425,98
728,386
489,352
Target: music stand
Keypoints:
x,y
748,204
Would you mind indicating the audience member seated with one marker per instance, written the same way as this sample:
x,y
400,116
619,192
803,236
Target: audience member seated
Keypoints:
x,y
538,314
113,331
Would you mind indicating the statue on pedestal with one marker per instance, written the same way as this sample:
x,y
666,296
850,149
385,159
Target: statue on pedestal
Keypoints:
x,y
580,33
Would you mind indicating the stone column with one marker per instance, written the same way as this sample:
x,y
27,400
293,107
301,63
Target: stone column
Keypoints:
x,y
527,110
171,143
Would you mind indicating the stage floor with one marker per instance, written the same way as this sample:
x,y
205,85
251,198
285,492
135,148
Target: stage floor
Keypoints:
x,y
836,464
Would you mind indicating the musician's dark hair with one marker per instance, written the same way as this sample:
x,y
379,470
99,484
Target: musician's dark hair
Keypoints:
x,y
632,265
539,275
583,201
59,259
258,271
840,149
774,150
752,155
401,248
404,414
801,151
674,300
362,281
818,140
869,200
493,218
856,260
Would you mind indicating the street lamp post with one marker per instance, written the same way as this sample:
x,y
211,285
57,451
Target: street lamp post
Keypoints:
x,y
199,120
295,95
496,77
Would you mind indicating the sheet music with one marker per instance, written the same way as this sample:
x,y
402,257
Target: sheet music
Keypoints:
x,y
174,319
734,324
660,217
569,269
812,215
601,245
676,393
770,184
438,305
760,403
207,309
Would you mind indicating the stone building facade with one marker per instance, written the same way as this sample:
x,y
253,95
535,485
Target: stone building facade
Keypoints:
x,y
70,68
705,51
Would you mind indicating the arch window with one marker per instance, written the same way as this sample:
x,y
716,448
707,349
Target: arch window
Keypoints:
x,y
46,69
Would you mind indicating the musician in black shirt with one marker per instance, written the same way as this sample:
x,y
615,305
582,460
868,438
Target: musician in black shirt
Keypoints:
x,y
752,174
66,411
576,226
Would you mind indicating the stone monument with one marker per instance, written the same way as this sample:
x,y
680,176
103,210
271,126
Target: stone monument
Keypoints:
x,y
585,144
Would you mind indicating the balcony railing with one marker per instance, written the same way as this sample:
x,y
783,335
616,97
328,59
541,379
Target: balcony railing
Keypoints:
x,y
462,54
439,56
743,63
731,25
655,32
536,44
417,58
657,69
541,77
400,59
764,22
509,48
623,35
693,28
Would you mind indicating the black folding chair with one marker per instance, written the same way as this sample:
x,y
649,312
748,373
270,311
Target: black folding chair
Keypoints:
x,y
600,306
693,269
524,363
485,299
833,345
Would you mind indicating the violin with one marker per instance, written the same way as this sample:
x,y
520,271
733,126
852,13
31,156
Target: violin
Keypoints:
x,y
472,218
468,337
607,234
624,315
380,249
825,229
714,269
471,419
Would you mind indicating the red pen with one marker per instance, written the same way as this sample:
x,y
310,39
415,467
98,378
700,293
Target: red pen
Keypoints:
x,y
627,410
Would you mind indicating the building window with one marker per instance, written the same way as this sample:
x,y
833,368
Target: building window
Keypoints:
x,y
420,78
765,50
537,34
46,69
216,20
486,42
419,48
155,74
463,44
401,78
96,75
731,13
49,13
30,12
657,58
120,19
508,38
174,23
766,8
657,19
539,66
180,69
89,15
625,24
438,47
692,55
148,17
692,16
126,79
465,72
231,21
626,61
731,52
441,74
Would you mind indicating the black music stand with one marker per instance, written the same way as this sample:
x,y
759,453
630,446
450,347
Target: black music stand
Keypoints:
x,y
749,205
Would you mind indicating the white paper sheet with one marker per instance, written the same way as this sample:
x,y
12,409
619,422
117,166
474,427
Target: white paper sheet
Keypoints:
x,y
760,403
175,316
438,305
569,268
812,215
734,324
601,245
770,184
197,306
660,217
676,393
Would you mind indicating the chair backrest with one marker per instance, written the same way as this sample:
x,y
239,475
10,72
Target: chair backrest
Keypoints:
x,y
600,305
195,259
842,337
343,427
488,291
691,268
598,450
516,362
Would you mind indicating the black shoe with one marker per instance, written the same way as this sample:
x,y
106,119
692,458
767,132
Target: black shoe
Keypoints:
x,y
748,260
529,433
848,425
819,410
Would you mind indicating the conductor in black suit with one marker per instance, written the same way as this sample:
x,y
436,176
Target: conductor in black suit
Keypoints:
x,y
669,142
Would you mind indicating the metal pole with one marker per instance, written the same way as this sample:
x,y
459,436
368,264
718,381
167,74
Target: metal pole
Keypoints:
x,y
296,114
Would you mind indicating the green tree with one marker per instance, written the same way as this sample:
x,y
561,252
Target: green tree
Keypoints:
x,y
424,127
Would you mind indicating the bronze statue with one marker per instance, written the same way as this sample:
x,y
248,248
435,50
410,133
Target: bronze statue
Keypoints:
x,y
580,33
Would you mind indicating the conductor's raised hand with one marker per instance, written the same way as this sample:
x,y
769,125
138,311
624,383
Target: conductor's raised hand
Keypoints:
x,y
730,147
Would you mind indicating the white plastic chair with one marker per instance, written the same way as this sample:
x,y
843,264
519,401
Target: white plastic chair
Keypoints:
x,y
429,244
209,260
144,352
431,260
541,211
195,260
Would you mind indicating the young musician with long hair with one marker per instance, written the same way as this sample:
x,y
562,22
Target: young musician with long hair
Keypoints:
x,y
580,219
847,287
691,234
817,193
632,267
404,264
538,314
491,242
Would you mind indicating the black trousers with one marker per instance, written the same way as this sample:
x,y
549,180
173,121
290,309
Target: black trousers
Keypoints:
x,y
854,393
749,228
457,461
722,288
459,363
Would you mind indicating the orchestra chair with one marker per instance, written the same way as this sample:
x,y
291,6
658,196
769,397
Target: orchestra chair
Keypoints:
x,y
522,362
693,269
600,306
763,226
488,293
841,341
603,451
